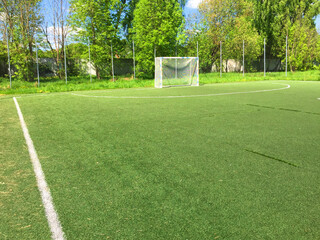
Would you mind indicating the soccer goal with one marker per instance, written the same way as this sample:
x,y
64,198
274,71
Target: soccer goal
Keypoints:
x,y
176,71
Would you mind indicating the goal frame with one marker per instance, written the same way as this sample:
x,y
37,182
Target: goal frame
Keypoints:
x,y
159,84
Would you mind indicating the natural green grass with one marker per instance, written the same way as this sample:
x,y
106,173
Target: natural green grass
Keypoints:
x,y
48,85
240,166
74,84
313,75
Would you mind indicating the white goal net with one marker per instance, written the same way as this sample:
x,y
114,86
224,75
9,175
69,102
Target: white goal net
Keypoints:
x,y
176,71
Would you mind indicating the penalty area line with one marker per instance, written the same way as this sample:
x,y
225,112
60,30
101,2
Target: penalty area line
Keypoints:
x,y
51,214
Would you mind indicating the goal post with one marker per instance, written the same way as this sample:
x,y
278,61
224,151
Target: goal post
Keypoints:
x,y
176,71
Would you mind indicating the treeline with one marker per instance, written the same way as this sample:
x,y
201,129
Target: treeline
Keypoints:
x,y
157,28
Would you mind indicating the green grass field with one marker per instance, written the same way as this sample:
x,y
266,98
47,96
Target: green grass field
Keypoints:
x,y
219,161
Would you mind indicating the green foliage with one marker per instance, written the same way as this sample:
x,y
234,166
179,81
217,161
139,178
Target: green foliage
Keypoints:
x,y
253,42
303,46
230,22
77,58
22,24
92,21
276,19
157,26
129,7
205,48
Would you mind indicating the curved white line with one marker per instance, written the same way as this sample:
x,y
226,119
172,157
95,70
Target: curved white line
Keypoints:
x,y
187,96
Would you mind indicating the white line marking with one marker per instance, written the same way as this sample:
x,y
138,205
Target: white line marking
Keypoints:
x,y
187,96
51,214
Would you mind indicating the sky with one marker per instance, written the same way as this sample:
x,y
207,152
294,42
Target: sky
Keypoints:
x,y
193,4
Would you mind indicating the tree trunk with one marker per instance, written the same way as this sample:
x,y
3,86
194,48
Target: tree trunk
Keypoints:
x,y
97,73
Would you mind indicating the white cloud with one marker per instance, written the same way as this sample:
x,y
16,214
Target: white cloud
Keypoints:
x,y
193,3
70,33
2,16
58,31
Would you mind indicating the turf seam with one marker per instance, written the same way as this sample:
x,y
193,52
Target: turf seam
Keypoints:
x,y
283,109
273,158
51,214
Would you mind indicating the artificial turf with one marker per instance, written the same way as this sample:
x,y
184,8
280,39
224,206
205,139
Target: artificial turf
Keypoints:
x,y
21,211
235,166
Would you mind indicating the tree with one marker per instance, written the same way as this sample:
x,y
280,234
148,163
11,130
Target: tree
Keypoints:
x,y
75,62
197,32
92,20
243,31
303,46
56,31
128,16
230,21
156,25
276,19
22,20
128,9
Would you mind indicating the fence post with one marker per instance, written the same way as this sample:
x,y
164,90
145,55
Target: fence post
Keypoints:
x,y
8,55
112,62
37,62
65,60
134,62
220,59
197,49
89,60
286,55
264,62
243,58
176,63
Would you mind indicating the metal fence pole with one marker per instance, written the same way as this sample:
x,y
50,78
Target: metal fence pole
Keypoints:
x,y
264,62
176,63
198,64
112,62
286,56
8,56
89,60
134,61
220,59
37,63
65,60
197,49
243,58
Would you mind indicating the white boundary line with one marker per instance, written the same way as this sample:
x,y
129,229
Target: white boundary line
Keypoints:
x,y
51,214
186,96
